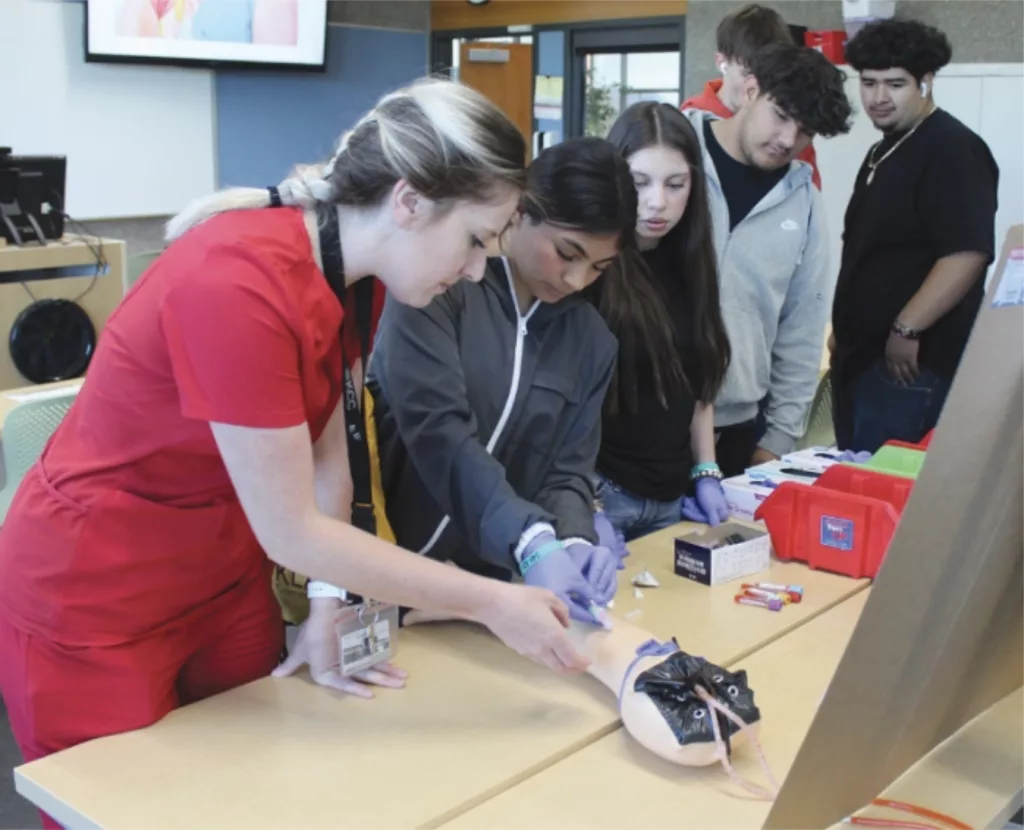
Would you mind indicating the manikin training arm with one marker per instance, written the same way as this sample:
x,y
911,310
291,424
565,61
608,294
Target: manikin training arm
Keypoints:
x,y
655,685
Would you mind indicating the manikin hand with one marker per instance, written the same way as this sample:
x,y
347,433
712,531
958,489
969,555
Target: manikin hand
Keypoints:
x,y
557,571
600,566
317,645
709,507
901,358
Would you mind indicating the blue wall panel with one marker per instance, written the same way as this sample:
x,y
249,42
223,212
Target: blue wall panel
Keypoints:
x,y
551,61
269,121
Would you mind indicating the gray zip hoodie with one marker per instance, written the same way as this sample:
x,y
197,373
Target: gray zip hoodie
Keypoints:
x,y
776,293
488,419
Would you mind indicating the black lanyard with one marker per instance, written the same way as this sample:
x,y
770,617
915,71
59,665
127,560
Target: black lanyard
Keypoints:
x,y
355,423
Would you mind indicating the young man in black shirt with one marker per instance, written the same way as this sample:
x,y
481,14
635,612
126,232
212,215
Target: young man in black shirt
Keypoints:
x,y
919,234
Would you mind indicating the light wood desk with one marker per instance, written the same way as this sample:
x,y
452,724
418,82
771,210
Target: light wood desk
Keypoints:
x,y
64,269
705,620
616,783
240,760
976,775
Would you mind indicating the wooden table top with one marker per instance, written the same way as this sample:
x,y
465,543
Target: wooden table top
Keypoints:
x,y
284,752
615,783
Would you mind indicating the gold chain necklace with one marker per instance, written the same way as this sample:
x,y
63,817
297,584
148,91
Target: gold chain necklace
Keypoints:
x,y
872,164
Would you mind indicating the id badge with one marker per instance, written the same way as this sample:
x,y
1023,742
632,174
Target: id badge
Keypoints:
x,y
366,636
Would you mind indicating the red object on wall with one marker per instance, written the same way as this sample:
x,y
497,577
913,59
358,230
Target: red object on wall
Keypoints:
x,y
832,43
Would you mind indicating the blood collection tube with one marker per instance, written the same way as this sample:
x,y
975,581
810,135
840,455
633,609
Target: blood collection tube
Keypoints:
x,y
770,604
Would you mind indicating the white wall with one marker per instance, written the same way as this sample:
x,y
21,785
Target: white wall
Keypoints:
x,y
988,98
139,139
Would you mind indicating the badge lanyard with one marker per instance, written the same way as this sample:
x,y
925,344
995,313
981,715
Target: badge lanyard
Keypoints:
x,y
355,423
366,630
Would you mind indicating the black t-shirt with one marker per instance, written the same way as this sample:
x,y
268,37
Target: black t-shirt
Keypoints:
x,y
647,452
743,184
933,197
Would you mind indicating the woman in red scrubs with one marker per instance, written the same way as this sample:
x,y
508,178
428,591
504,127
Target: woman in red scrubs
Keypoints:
x,y
208,442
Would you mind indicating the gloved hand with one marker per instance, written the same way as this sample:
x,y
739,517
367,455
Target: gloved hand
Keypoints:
x,y
609,537
600,566
709,506
855,457
557,571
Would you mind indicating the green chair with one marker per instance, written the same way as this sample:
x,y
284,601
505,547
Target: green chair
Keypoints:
x,y
820,431
137,265
27,429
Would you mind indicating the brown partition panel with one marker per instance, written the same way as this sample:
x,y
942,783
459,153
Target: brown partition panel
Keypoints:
x,y
940,639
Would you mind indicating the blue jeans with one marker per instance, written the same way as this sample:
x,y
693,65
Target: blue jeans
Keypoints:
x,y
880,409
634,516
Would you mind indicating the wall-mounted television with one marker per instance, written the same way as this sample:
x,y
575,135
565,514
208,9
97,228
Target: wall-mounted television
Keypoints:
x,y
287,34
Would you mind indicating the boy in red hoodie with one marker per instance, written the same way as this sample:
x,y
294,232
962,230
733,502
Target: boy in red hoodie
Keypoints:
x,y
740,34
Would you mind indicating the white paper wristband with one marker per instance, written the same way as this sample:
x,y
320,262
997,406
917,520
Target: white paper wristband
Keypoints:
x,y
528,536
315,588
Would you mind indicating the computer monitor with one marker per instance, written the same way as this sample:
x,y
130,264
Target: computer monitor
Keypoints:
x,y
31,197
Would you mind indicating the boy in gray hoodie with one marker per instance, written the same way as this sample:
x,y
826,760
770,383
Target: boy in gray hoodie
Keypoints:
x,y
771,239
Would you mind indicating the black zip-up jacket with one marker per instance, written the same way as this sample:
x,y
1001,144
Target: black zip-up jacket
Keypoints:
x,y
459,447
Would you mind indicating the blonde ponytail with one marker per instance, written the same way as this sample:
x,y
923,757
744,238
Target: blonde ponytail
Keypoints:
x,y
447,140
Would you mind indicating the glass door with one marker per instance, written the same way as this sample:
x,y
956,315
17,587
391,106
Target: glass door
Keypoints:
x,y
611,68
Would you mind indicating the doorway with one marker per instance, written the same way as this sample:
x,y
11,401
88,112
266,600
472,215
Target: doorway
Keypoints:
x,y
611,67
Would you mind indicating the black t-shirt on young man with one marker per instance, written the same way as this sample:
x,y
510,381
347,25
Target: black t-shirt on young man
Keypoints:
x,y
743,185
933,197
647,452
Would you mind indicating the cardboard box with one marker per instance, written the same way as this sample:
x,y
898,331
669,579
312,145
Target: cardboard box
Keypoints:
x,y
744,496
777,472
705,556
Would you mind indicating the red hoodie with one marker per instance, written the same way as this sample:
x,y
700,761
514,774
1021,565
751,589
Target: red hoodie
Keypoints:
x,y
709,101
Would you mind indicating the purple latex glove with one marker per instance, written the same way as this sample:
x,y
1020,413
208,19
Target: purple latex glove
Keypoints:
x,y
600,566
561,574
855,457
609,537
710,506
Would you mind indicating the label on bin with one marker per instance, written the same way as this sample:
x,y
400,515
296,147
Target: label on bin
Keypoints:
x,y
836,533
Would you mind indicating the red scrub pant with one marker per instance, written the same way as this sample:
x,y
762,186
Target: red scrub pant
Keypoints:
x,y
58,696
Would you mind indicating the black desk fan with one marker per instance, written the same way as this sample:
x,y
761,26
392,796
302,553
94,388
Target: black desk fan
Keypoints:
x,y
51,339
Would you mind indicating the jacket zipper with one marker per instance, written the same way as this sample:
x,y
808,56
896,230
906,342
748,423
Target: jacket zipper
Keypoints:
x,y
513,391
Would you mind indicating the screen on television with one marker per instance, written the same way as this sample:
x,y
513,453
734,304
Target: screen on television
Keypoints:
x,y
283,33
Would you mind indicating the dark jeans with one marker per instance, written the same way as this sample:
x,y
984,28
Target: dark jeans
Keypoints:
x,y
874,408
634,516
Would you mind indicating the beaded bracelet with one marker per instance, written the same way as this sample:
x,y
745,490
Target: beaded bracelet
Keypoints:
x,y
708,469
538,554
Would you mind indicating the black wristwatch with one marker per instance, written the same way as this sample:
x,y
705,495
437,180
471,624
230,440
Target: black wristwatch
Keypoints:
x,y
905,332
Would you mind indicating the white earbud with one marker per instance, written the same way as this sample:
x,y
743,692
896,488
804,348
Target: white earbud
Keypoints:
x,y
722,67
924,88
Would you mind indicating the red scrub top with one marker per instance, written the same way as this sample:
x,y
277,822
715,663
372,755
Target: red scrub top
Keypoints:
x,y
129,524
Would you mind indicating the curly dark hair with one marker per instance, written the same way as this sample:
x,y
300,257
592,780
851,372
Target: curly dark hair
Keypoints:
x,y
806,86
901,44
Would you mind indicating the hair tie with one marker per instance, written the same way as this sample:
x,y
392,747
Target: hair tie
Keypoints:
x,y
275,196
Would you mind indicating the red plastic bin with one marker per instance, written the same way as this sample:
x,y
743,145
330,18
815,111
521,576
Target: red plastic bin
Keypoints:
x,y
828,529
848,479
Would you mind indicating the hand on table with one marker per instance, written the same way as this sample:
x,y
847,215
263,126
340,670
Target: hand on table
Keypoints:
x,y
317,645
599,566
531,622
709,507
560,573
901,358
